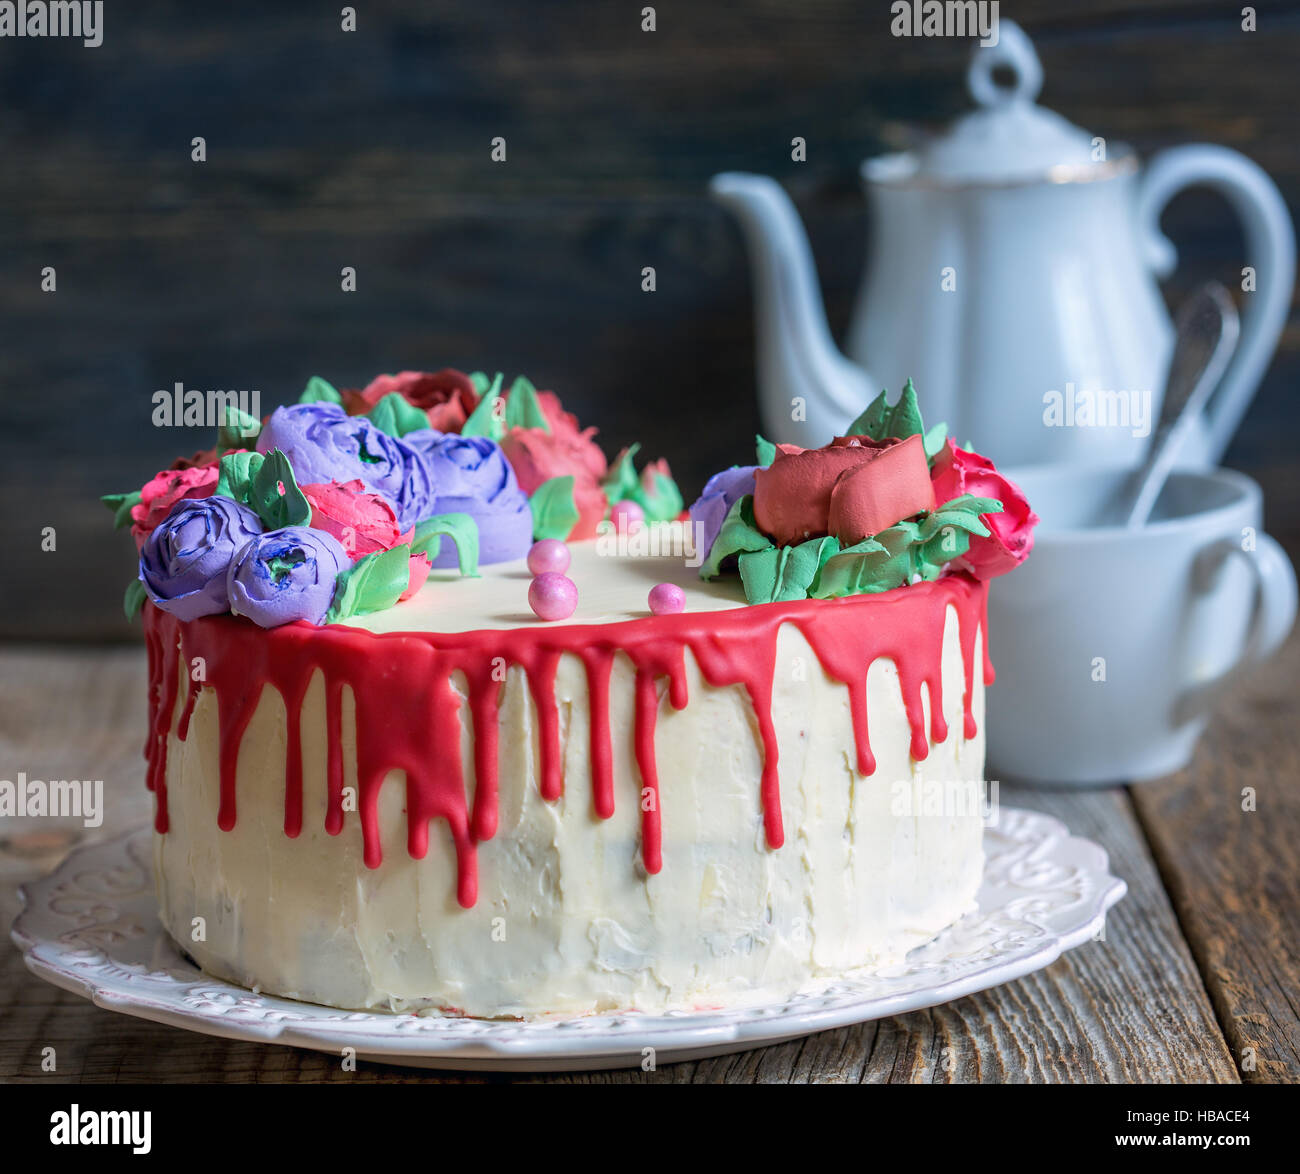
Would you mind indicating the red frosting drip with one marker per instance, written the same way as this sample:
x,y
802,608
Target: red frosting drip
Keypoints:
x,y
408,708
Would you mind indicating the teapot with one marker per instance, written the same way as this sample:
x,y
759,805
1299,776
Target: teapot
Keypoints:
x,y
1012,274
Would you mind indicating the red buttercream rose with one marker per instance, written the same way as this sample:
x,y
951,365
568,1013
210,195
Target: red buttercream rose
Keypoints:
x,y
853,488
537,455
167,488
1011,536
447,397
206,456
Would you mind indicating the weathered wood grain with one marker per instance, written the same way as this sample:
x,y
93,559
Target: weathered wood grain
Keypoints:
x,y
372,150
1129,1008
1234,874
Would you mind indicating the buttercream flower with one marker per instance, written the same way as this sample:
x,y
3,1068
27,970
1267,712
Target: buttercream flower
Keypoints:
x,y
364,523
1011,533
473,477
447,397
537,455
167,488
420,568
851,490
205,456
709,510
184,560
286,575
323,443
659,494
559,421
893,484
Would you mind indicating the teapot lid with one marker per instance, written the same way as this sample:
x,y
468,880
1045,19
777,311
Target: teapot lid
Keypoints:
x,y
1008,139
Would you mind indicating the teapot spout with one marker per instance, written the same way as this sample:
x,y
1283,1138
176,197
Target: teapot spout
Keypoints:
x,y
808,391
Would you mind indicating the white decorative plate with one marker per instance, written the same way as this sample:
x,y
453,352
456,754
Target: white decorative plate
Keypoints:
x,y
91,928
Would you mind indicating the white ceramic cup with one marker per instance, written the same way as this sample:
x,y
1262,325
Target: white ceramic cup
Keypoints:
x,y
1109,645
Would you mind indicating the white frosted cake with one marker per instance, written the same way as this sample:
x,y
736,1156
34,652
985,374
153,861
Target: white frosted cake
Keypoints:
x,y
462,803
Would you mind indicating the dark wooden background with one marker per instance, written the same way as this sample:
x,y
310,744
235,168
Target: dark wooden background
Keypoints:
x,y
371,149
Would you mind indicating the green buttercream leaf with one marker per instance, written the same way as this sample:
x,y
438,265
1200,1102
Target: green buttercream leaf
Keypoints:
x,y
905,419
621,482
372,583
785,572
237,472
554,511
874,420
480,381
875,564
236,429
933,441
488,419
134,599
274,494
394,415
522,408
663,503
739,535
930,556
319,391
766,450
902,420
963,512
120,504
460,528
944,535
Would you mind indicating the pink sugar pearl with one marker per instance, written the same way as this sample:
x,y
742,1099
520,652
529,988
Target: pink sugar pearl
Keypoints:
x,y
553,596
627,516
550,555
667,599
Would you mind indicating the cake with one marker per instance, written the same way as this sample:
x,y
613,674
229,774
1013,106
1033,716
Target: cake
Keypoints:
x,y
382,780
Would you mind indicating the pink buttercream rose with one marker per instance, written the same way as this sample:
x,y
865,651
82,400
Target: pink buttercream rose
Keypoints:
x,y
167,488
447,397
537,455
364,523
1011,536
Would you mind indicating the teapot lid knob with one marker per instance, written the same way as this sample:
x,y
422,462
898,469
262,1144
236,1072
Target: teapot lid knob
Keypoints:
x,y
1015,52
1008,139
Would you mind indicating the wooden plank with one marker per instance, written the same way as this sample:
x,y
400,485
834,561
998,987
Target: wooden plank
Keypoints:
x,y
1129,1008
1234,874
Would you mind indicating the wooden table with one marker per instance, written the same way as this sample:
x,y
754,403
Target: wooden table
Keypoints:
x,y
1197,979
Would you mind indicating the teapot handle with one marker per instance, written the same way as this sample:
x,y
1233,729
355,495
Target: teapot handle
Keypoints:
x,y
1270,249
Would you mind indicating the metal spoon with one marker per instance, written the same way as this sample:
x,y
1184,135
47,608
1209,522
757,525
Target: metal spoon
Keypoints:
x,y
1207,328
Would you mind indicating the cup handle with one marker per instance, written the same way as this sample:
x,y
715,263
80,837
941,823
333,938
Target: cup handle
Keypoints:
x,y
1272,614
1270,248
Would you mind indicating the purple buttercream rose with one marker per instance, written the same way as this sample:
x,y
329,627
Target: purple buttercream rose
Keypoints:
x,y
472,476
323,444
710,509
286,575
184,560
